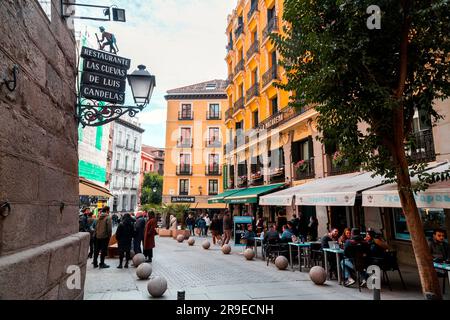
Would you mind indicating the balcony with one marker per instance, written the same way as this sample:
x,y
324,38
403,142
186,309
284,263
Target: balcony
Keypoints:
x,y
272,26
184,170
239,104
239,31
127,169
256,179
253,9
133,187
119,144
213,116
185,115
239,67
213,143
213,170
304,169
128,146
277,175
230,78
279,118
341,167
229,47
252,92
185,143
422,147
270,75
242,182
240,140
227,148
254,48
136,149
229,114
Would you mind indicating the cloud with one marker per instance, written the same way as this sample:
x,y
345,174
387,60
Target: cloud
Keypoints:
x,y
152,117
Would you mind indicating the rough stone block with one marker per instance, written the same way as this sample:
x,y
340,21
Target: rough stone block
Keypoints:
x,y
52,294
64,253
50,184
24,275
84,246
62,224
25,227
18,179
66,293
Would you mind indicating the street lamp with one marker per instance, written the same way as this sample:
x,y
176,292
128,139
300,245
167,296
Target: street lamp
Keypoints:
x,y
142,84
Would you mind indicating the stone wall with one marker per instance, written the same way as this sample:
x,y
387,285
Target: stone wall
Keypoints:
x,y
38,158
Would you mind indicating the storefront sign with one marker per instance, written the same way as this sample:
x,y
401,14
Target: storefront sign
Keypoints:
x,y
183,199
334,199
104,82
103,77
392,200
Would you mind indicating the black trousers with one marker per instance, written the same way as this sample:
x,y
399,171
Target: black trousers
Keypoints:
x,y
102,248
124,252
91,247
148,253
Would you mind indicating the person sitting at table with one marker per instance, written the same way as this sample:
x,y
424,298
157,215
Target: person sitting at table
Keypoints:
x,y
346,235
287,234
330,236
377,246
354,248
438,247
271,235
249,236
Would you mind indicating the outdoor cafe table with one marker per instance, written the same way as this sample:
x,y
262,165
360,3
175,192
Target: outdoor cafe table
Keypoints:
x,y
300,246
337,252
443,266
259,239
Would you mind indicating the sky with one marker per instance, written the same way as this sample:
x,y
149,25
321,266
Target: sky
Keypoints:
x,y
181,42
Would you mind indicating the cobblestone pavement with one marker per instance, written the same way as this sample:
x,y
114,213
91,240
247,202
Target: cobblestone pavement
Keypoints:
x,y
209,274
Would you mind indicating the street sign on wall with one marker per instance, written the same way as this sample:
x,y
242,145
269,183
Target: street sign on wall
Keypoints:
x,y
183,199
104,76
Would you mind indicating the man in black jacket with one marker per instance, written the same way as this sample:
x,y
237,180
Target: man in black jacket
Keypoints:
x,y
356,250
139,228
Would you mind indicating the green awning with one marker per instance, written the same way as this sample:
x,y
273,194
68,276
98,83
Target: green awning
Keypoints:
x,y
219,198
250,195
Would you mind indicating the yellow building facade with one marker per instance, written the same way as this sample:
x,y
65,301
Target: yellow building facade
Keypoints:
x,y
195,134
267,142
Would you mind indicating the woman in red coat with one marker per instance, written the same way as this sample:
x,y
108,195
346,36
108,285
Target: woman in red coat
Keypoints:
x,y
149,236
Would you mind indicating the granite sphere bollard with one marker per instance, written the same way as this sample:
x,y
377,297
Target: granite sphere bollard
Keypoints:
x,y
138,259
318,275
226,249
206,244
191,241
156,286
144,271
180,238
249,254
281,262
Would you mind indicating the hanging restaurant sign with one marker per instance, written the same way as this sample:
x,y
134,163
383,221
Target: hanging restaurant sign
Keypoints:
x,y
104,76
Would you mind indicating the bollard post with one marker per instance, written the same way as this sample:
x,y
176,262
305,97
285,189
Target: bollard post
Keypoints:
x,y
374,281
181,295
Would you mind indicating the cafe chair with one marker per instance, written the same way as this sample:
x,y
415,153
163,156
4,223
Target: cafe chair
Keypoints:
x,y
388,263
316,255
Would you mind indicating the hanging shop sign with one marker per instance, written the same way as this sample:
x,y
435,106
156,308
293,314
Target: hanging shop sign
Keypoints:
x,y
240,226
104,76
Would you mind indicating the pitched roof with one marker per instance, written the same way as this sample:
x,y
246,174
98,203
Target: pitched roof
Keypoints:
x,y
207,87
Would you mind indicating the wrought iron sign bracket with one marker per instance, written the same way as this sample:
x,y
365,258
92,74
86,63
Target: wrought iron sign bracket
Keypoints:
x,y
117,14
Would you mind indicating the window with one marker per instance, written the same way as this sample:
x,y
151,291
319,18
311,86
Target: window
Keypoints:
x,y
184,187
119,140
132,183
185,137
255,76
214,111
125,182
186,111
274,105
126,163
255,119
210,86
431,219
214,135
118,162
185,159
213,187
135,143
213,162
115,203
128,141
145,167
270,14
160,169
124,202
151,168
134,164
255,36
46,5
241,90
132,202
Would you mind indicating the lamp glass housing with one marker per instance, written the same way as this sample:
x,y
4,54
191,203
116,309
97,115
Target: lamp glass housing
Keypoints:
x,y
142,84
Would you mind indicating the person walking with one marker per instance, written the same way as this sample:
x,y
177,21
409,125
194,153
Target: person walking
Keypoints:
x,y
200,224
215,228
103,232
139,229
149,236
190,222
124,236
207,224
91,226
227,226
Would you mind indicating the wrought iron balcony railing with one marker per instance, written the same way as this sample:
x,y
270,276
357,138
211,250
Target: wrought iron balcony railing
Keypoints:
x,y
280,117
304,169
239,67
213,143
272,25
213,170
254,48
239,104
185,115
252,92
184,170
185,143
270,75
239,30
422,147
213,115
229,114
253,9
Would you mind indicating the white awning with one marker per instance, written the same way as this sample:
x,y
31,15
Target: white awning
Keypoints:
x,y
338,190
436,196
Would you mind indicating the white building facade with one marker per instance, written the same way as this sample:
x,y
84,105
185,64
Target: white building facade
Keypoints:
x,y
125,165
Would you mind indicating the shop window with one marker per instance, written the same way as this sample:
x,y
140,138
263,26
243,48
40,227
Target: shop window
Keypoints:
x,y
431,219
